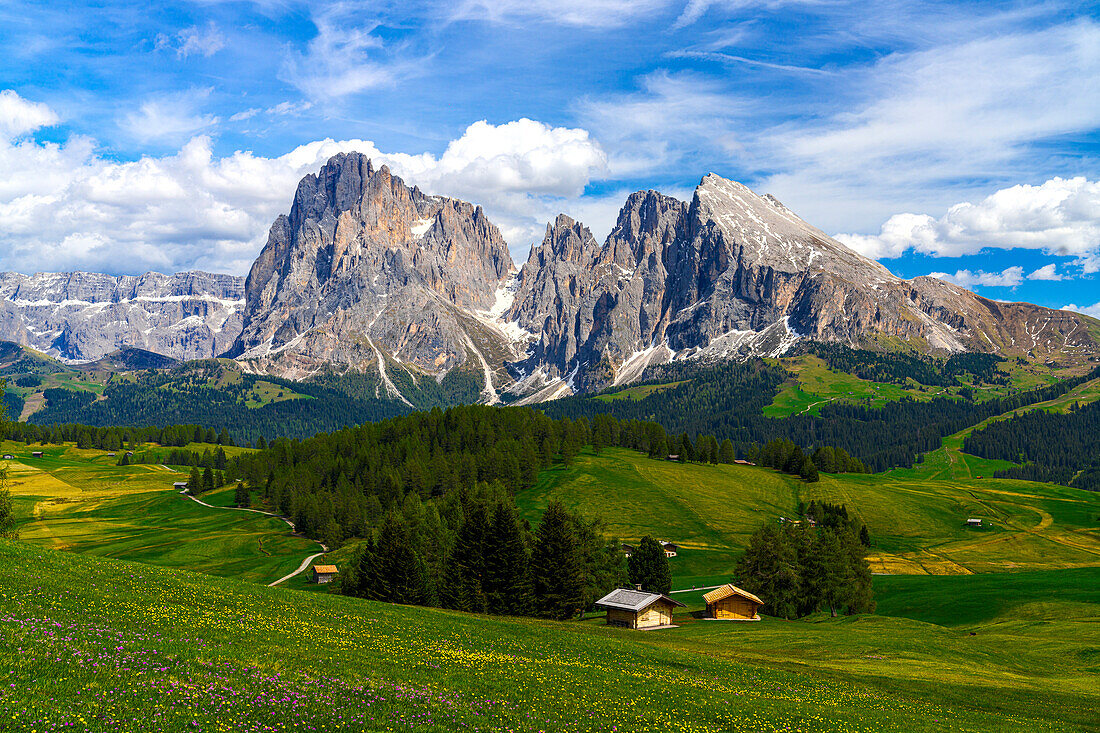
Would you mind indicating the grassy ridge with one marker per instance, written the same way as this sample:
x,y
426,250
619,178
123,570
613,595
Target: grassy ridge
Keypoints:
x,y
96,645
81,501
917,523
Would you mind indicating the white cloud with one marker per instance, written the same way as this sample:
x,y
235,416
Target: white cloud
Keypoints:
x,y
282,108
192,41
18,116
169,118
588,13
65,207
1010,277
344,58
919,128
673,115
1046,272
1088,310
1060,216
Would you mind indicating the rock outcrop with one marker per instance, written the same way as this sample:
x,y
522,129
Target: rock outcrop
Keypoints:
x,y
79,316
366,271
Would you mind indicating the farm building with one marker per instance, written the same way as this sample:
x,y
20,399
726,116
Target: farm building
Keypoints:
x,y
110,455
670,548
180,485
9,457
36,454
638,609
972,522
323,573
743,462
730,603
628,550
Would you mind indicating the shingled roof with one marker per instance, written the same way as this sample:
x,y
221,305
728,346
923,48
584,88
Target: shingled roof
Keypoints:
x,y
633,600
728,590
324,568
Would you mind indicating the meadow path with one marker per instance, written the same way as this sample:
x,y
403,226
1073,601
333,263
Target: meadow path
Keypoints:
x,y
305,563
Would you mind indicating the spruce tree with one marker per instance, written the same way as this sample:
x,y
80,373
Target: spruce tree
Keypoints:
x,y
242,497
769,569
507,572
401,572
648,567
726,453
194,482
556,567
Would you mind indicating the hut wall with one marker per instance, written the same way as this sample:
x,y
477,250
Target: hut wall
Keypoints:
x,y
619,617
659,614
734,607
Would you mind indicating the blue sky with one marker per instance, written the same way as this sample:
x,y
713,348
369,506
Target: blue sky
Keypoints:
x,y
940,137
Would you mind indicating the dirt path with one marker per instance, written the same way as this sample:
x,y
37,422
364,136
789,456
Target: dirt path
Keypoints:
x,y
293,529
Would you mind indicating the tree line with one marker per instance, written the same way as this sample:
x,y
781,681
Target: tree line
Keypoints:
x,y
798,568
1061,448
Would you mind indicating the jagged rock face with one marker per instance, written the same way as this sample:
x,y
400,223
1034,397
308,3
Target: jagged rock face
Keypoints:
x,y
734,274
80,316
366,267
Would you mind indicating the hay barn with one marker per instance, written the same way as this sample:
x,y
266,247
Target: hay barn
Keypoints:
x,y
730,603
638,609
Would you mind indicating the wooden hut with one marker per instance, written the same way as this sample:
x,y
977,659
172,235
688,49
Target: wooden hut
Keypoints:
x,y
670,548
973,522
730,603
9,457
36,454
180,486
637,609
323,573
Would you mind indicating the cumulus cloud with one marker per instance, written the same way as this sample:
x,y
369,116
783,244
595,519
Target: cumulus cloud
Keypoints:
x,y
18,116
65,207
192,41
1046,272
1010,277
1060,216
1088,310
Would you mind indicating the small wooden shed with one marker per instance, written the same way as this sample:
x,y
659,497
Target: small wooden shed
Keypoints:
x,y
730,603
9,457
973,522
323,573
36,454
670,548
180,486
638,609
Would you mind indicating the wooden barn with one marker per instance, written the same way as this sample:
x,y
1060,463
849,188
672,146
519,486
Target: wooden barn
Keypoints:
x,y
180,486
9,457
638,609
670,548
36,454
323,573
730,603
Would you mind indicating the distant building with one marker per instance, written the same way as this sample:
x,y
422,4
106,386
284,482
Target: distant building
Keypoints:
x,y
9,457
36,454
110,455
670,548
730,603
628,550
972,522
743,462
180,485
672,457
324,573
637,609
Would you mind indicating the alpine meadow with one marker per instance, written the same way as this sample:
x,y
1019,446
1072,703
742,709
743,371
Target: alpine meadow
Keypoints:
x,y
679,366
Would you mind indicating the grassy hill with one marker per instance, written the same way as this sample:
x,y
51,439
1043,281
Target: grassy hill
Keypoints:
x,y
93,644
916,521
81,501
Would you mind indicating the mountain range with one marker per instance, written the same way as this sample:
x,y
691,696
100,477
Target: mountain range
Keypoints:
x,y
367,275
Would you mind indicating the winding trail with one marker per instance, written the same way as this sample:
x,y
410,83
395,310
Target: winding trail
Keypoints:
x,y
293,529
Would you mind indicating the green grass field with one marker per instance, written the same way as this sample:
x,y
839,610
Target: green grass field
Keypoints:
x,y
815,385
92,644
916,523
81,501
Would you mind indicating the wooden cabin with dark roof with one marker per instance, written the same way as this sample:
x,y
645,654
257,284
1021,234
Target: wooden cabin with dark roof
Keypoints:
x,y
638,609
730,603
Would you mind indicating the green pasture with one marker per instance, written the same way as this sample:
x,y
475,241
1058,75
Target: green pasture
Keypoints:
x,y
917,524
82,501
815,385
187,652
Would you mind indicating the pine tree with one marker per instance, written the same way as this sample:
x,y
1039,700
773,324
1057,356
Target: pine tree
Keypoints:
x,y
242,497
208,480
7,516
507,572
556,567
769,568
726,453
648,567
808,471
194,482
401,573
